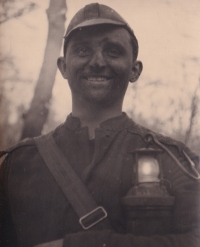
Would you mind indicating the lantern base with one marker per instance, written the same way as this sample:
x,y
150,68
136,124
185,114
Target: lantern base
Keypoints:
x,y
148,209
147,221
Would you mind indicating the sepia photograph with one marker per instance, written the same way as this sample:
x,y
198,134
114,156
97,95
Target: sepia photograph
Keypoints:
x,y
99,123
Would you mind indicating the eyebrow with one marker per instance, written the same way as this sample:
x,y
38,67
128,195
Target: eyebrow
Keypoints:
x,y
89,42
106,40
112,41
76,43
116,43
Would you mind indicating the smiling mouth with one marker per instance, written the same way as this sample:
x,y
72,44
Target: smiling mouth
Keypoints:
x,y
97,78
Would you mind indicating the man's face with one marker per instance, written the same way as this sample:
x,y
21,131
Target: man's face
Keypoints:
x,y
99,64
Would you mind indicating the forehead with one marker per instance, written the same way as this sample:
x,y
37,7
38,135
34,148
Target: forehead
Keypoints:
x,y
101,33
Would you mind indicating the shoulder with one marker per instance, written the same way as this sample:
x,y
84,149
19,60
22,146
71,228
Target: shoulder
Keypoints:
x,y
16,158
170,146
166,140
26,143
18,155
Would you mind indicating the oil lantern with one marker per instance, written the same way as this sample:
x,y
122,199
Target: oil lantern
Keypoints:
x,y
148,205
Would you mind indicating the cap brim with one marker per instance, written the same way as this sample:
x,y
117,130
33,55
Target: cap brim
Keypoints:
x,y
93,22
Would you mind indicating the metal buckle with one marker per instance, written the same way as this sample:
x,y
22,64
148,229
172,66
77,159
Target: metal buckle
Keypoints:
x,y
86,227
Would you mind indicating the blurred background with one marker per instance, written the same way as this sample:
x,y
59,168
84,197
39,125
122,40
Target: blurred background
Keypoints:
x,y
35,98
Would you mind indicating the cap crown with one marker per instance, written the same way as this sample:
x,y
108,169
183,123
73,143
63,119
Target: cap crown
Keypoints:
x,y
96,14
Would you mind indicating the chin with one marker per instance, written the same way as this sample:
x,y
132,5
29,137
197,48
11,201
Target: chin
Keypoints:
x,y
101,100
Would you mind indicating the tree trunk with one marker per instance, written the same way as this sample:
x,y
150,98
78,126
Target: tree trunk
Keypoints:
x,y
38,112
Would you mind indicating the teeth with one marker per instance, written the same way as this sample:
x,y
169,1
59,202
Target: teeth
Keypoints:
x,y
97,78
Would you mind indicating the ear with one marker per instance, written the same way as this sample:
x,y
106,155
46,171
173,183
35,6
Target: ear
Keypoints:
x,y
61,63
136,71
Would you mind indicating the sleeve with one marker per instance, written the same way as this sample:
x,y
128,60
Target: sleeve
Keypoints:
x,y
7,233
111,239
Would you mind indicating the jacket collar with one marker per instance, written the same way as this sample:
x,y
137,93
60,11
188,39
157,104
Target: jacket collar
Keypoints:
x,y
116,123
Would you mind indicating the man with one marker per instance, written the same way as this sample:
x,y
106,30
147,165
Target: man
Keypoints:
x,y
100,59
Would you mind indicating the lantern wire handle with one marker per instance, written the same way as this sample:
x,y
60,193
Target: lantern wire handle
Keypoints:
x,y
150,138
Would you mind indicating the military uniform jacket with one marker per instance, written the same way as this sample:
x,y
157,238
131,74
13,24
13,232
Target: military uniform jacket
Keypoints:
x,y
34,210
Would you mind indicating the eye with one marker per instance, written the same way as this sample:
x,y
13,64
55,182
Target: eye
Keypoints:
x,y
113,52
83,51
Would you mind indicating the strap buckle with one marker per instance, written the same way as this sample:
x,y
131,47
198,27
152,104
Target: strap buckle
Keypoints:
x,y
93,217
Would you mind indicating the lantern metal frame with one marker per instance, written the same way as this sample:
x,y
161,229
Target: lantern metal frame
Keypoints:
x,y
155,153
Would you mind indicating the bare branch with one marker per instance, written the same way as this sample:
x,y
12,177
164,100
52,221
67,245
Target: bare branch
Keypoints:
x,y
28,8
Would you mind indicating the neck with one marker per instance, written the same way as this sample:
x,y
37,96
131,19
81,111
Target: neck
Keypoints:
x,y
92,115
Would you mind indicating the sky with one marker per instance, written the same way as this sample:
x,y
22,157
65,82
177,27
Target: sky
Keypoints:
x,y
169,38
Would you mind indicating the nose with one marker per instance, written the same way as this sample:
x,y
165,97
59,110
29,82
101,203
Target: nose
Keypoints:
x,y
97,61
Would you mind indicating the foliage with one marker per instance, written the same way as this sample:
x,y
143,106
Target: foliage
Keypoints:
x,y
168,104
14,8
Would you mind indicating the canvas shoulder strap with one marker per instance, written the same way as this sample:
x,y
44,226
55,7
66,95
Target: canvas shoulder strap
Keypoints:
x,y
73,188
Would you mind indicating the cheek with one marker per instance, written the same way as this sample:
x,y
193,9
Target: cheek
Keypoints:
x,y
76,66
122,69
